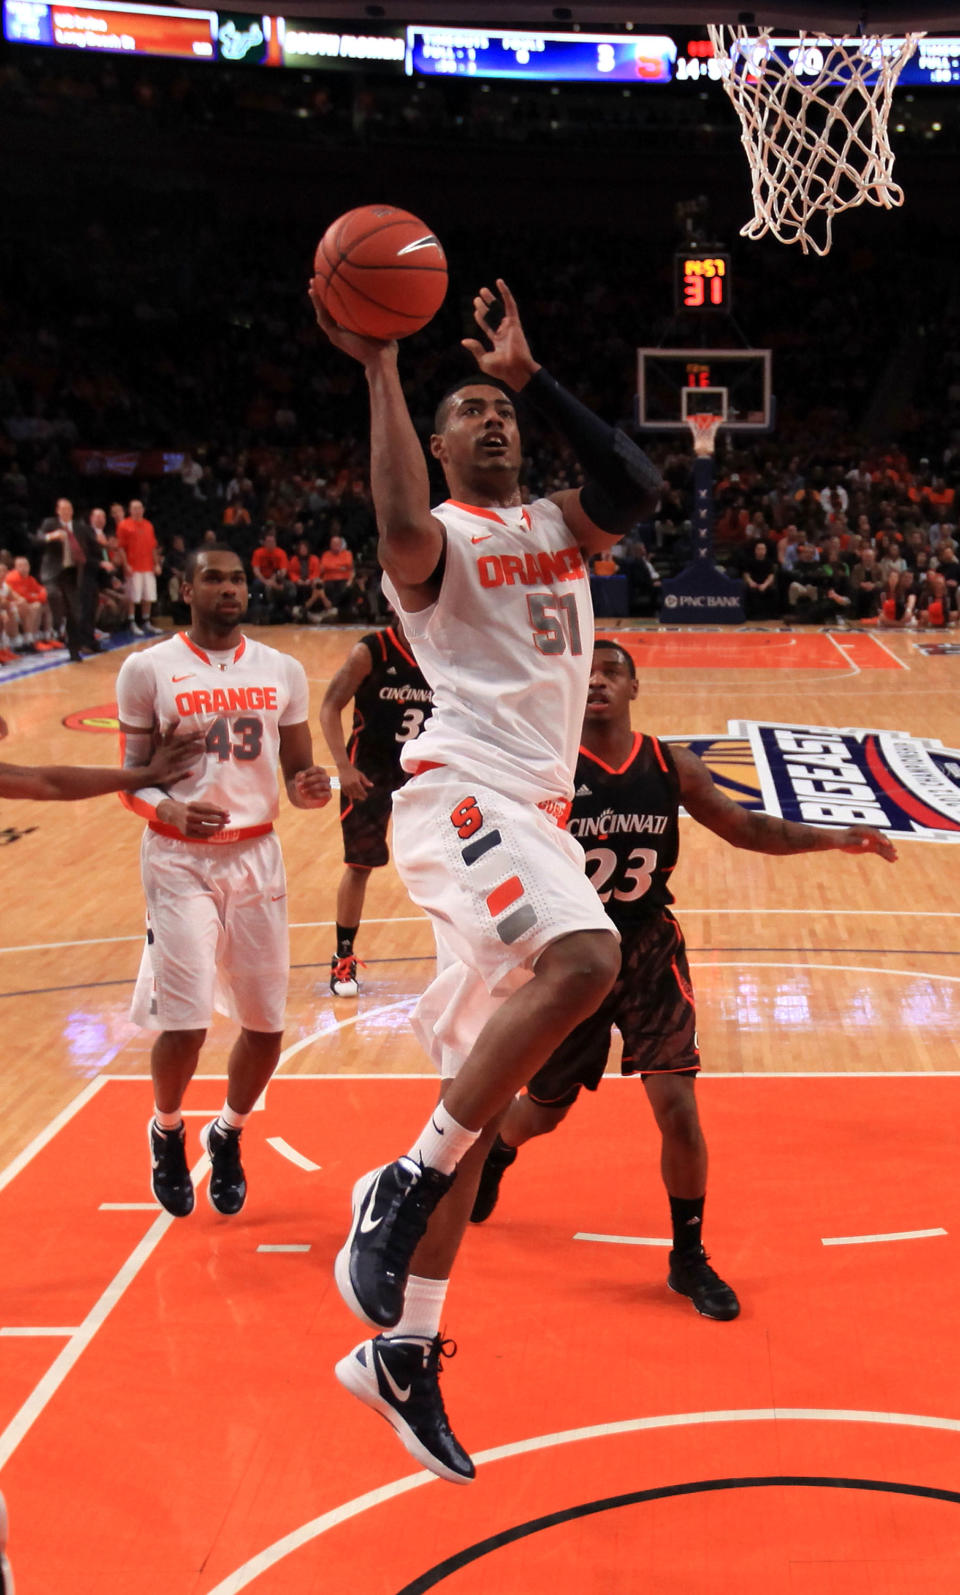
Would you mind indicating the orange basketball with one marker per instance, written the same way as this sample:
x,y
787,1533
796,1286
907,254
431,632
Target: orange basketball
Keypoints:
x,y
380,272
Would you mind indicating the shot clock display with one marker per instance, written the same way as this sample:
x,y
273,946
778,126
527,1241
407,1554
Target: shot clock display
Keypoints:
x,y
702,281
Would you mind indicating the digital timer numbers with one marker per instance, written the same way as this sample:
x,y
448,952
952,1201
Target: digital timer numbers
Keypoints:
x,y
702,282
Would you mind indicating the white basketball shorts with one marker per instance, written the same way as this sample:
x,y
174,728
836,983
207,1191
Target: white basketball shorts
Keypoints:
x,y
216,934
500,881
142,587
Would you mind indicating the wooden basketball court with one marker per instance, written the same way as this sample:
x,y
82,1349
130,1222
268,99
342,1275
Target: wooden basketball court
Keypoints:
x,y
169,1419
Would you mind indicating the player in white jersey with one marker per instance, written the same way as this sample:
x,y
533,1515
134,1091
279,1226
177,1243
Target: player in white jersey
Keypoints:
x,y
495,600
211,863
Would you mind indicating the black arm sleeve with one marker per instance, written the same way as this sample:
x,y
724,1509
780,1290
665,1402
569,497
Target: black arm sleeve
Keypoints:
x,y
622,483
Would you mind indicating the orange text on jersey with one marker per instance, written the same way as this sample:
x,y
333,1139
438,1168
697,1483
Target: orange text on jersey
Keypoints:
x,y
225,700
533,570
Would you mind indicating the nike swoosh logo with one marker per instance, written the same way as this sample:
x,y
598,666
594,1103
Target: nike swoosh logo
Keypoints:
x,y
401,1392
425,242
485,538
278,899
367,1224
187,677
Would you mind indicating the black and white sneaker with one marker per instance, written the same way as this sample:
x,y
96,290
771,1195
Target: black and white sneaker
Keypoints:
x,y
169,1175
400,1379
227,1190
499,1159
343,976
691,1275
391,1208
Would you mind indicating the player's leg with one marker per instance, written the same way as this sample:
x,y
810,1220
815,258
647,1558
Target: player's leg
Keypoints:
x,y
364,827
351,893
148,597
684,1166
174,995
531,954
251,1065
578,1061
397,1373
393,1206
252,968
523,1121
658,1024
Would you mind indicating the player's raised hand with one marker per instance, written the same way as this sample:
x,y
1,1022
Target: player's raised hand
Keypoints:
x,y
366,350
196,821
864,839
173,757
309,788
354,784
510,359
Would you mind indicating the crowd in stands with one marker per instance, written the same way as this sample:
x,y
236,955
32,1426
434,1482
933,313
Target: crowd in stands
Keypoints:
x,y
156,344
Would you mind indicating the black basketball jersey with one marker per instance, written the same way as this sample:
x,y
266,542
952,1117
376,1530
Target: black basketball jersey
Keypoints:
x,y
626,821
390,705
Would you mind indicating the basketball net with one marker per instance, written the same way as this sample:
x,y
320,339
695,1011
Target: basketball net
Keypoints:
x,y
704,428
813,121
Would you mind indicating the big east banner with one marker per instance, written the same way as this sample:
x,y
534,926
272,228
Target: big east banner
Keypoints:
x,y
908,786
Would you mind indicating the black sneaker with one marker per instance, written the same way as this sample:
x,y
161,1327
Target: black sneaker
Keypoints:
x,y
499,1159
391,1207
227,1190
169,1175
691,1275
400,1379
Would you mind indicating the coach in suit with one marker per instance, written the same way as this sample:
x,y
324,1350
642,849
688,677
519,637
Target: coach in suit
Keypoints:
x,y
66,545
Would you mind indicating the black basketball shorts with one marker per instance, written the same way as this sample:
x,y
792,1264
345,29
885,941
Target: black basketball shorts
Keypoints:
x,y
651,1005
364,825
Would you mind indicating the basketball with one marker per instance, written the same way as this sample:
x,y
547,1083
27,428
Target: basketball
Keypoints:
x,y
381,272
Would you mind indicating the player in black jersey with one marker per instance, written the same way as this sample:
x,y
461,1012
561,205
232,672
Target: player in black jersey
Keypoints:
x,y
629,789
391,702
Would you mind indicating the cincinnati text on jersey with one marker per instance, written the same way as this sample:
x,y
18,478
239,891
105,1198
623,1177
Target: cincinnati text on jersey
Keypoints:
x,y
611,823
406,694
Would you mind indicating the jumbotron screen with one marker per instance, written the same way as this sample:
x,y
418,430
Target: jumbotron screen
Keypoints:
x,y
135,30
681,56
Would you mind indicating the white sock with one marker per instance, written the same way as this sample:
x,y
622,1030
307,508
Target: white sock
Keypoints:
x,y
227,1119
422,1308
442,1142
168,1121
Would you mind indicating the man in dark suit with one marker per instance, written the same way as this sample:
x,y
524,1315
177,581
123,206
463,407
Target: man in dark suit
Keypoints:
x,y
66,546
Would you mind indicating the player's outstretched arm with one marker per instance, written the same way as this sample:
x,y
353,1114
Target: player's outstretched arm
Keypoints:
x,y
342,689
70,783
411,539
622,484
308,786
764,833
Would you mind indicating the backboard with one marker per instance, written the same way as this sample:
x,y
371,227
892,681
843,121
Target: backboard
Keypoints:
x,y
674,383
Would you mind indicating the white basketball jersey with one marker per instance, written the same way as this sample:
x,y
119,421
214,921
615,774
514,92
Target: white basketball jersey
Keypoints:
x,y
240,698
507,649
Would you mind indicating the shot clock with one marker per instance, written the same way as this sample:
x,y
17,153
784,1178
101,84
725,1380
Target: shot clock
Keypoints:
x,y
702,281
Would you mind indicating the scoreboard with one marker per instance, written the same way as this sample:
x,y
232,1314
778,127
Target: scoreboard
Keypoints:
x,y
683,58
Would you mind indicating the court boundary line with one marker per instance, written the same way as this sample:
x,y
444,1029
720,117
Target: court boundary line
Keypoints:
x,y
242,1577
102,941
903,665
423,919
49,1383
56,1124
853,669
846,969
